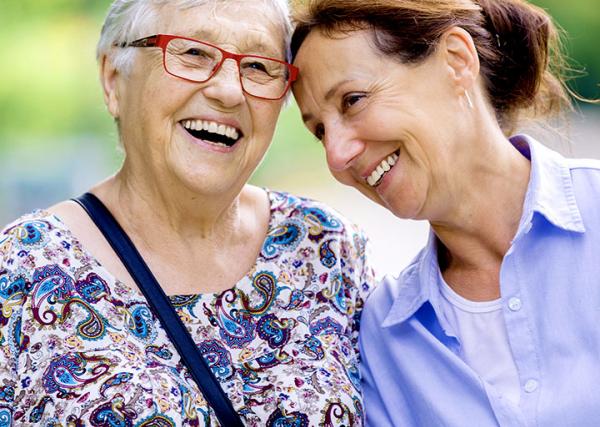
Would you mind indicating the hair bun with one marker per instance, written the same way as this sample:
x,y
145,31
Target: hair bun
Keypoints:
x,y
524,38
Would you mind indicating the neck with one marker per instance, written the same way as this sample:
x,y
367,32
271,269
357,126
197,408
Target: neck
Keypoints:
x,y
150,208
476,231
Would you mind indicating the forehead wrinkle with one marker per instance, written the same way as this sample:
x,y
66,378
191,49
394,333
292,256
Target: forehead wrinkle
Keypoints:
x,y
323,60
253,41
257,45
263,37
201,34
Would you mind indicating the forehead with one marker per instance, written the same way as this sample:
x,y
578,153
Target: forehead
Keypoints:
x,y
326,60
238,25
338,52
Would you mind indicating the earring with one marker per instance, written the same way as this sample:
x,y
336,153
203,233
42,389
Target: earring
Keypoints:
x,y
469,102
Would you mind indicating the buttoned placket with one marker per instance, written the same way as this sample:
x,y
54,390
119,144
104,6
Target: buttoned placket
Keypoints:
x,y
520,327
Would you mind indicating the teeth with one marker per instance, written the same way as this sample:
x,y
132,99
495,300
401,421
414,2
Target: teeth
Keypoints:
x,y
211,127
383,167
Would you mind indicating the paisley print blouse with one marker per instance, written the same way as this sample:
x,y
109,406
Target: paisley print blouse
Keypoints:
x,y
79,348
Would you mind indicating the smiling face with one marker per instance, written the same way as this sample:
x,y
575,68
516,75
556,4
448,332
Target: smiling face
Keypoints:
x,y
389,129
206,137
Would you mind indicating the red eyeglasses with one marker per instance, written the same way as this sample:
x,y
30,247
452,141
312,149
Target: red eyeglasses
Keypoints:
x,y
198,61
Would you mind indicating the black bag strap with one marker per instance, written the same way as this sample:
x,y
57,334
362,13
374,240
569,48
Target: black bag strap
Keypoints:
x,y
162,308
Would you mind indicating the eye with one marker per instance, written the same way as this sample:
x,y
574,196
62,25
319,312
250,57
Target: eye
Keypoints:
x,y
198,54
195,52
319,131
256,66
348,100
261,68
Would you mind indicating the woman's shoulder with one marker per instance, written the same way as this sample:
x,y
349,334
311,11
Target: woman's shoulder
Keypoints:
x,y
309,226
311,212
33,240
30,231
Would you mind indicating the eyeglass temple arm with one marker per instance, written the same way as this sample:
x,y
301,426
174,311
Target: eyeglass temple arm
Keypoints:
x,y
150,41
293,73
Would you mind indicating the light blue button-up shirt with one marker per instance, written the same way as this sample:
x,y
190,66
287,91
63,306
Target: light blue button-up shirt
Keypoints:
x,y
550,288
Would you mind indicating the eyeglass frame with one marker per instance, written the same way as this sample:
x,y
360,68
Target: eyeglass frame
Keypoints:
x,y
162,40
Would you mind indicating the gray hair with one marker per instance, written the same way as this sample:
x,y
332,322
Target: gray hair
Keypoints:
x,y
129,20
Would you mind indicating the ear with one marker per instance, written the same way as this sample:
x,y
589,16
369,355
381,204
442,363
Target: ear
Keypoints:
x,y
109,78
461,57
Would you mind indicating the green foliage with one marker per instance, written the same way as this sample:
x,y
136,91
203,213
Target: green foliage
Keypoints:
x,y
48,70
293,152
580,20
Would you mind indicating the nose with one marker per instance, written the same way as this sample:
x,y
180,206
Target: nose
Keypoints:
x,y
224,86
341,147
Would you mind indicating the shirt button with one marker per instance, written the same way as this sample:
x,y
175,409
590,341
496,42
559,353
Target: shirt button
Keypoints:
x,y
514,304
531,386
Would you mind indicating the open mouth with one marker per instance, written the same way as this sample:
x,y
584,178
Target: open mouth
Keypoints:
x,y
212,132
382,169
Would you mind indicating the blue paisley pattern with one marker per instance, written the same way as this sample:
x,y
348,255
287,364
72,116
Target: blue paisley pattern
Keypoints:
x,y
218,359
284,238
141,322
79,348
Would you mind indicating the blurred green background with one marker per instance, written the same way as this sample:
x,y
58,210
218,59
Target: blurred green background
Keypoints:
x,y
56,138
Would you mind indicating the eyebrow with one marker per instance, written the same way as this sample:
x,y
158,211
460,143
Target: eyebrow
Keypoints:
x,y
334,89
201,34
248,44
261,48
306,117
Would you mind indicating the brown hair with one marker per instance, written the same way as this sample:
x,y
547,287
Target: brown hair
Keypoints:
x,y
518,44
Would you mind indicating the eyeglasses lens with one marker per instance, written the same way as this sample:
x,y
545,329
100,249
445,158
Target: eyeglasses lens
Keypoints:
x,y
192,60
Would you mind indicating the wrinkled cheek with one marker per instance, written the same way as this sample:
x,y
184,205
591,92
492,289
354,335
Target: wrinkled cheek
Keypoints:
x,y
265,114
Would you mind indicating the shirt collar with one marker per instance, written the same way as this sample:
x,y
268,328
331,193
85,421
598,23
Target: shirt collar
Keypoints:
x,y
549,192
414,285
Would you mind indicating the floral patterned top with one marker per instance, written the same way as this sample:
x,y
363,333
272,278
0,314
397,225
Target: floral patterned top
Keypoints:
x,y
78,347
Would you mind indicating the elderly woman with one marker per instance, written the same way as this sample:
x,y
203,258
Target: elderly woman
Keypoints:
x,y
269,286
495,322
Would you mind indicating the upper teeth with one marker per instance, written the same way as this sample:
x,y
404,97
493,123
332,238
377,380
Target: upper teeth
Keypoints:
x,y
383,167
212,127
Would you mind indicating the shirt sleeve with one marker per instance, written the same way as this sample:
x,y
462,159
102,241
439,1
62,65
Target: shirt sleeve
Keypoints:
x,y
11,303
375,413
357,269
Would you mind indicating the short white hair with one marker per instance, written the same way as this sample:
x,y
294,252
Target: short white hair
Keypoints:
x,y
129,20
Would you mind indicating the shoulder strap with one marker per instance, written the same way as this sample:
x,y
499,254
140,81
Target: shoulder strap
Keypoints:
x,y
162,308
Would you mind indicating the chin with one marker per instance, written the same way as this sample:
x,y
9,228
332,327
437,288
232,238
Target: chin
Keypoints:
x,y
404,209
